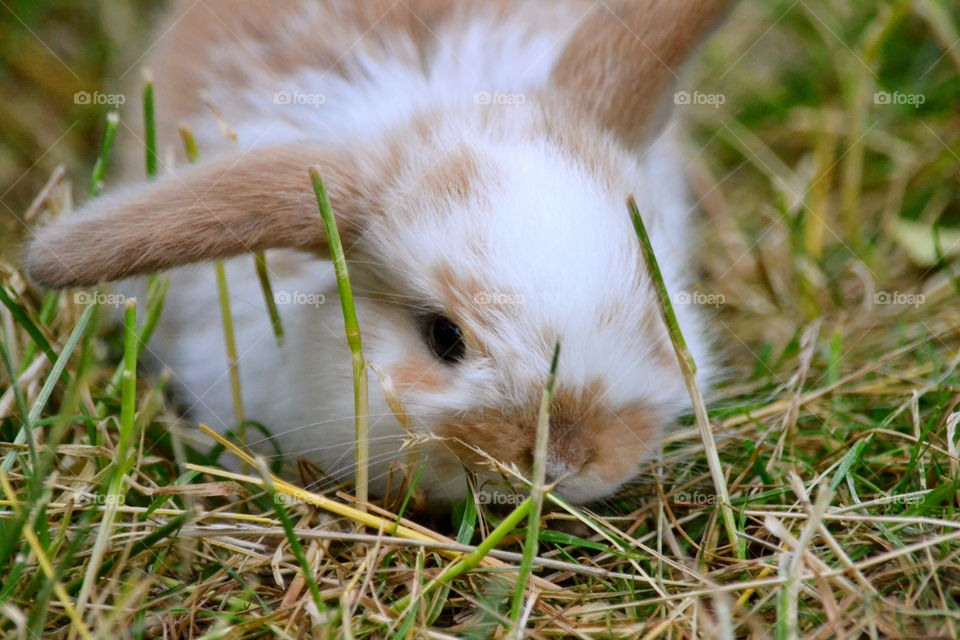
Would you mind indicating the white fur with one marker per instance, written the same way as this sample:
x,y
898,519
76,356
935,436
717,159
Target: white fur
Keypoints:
x,y
474,59
558,240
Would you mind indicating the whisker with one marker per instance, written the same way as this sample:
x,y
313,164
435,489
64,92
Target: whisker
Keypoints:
x,y
348,445
279,434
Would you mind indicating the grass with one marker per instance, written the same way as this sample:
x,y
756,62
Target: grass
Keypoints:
x,y
688,367
826,265
354,338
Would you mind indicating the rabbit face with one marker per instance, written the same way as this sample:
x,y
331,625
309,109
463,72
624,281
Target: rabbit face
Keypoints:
x,y
488,257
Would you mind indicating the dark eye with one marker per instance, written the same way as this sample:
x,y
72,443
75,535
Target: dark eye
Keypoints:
x,y
445,338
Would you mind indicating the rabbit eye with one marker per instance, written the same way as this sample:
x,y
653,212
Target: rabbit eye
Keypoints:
x,y
445,339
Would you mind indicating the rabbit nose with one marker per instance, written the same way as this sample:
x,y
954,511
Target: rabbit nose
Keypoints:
x,y
566,452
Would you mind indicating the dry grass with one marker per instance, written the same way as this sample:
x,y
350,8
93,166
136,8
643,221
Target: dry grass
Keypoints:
x,y
835,428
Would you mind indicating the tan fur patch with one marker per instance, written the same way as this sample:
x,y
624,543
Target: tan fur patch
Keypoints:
x,y
504,436
618,64
473,303
245,44
418,373
585,434
239,204
581,141
455,178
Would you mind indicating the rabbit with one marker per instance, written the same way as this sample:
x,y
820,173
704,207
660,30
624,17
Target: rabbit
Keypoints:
x,y
478,156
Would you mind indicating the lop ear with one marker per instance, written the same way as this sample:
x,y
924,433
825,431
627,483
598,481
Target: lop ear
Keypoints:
x,y
619,64
258,200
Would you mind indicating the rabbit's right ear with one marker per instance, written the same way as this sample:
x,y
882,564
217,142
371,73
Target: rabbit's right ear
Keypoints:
x,y
257,200
619,64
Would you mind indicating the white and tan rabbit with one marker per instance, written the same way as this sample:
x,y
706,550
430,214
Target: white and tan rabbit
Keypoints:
x,y
478,155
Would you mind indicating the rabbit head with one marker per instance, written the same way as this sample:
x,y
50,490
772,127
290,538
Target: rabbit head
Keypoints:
x,y
480,237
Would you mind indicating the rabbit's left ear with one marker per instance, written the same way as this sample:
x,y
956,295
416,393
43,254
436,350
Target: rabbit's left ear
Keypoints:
x,y
620,63
260,199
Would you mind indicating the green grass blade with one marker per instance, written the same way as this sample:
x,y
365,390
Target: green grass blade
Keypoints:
x,y
352,327
59,365
230,341
23,319
292,539
263,275
167,530
100,166
409,493
190,146
468,520
475,557
18,396
226,313
149,127
48,311
532,540
156,296
850,460
124,457
689,369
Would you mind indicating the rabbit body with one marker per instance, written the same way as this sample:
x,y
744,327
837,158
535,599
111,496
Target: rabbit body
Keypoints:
x,y
478,174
